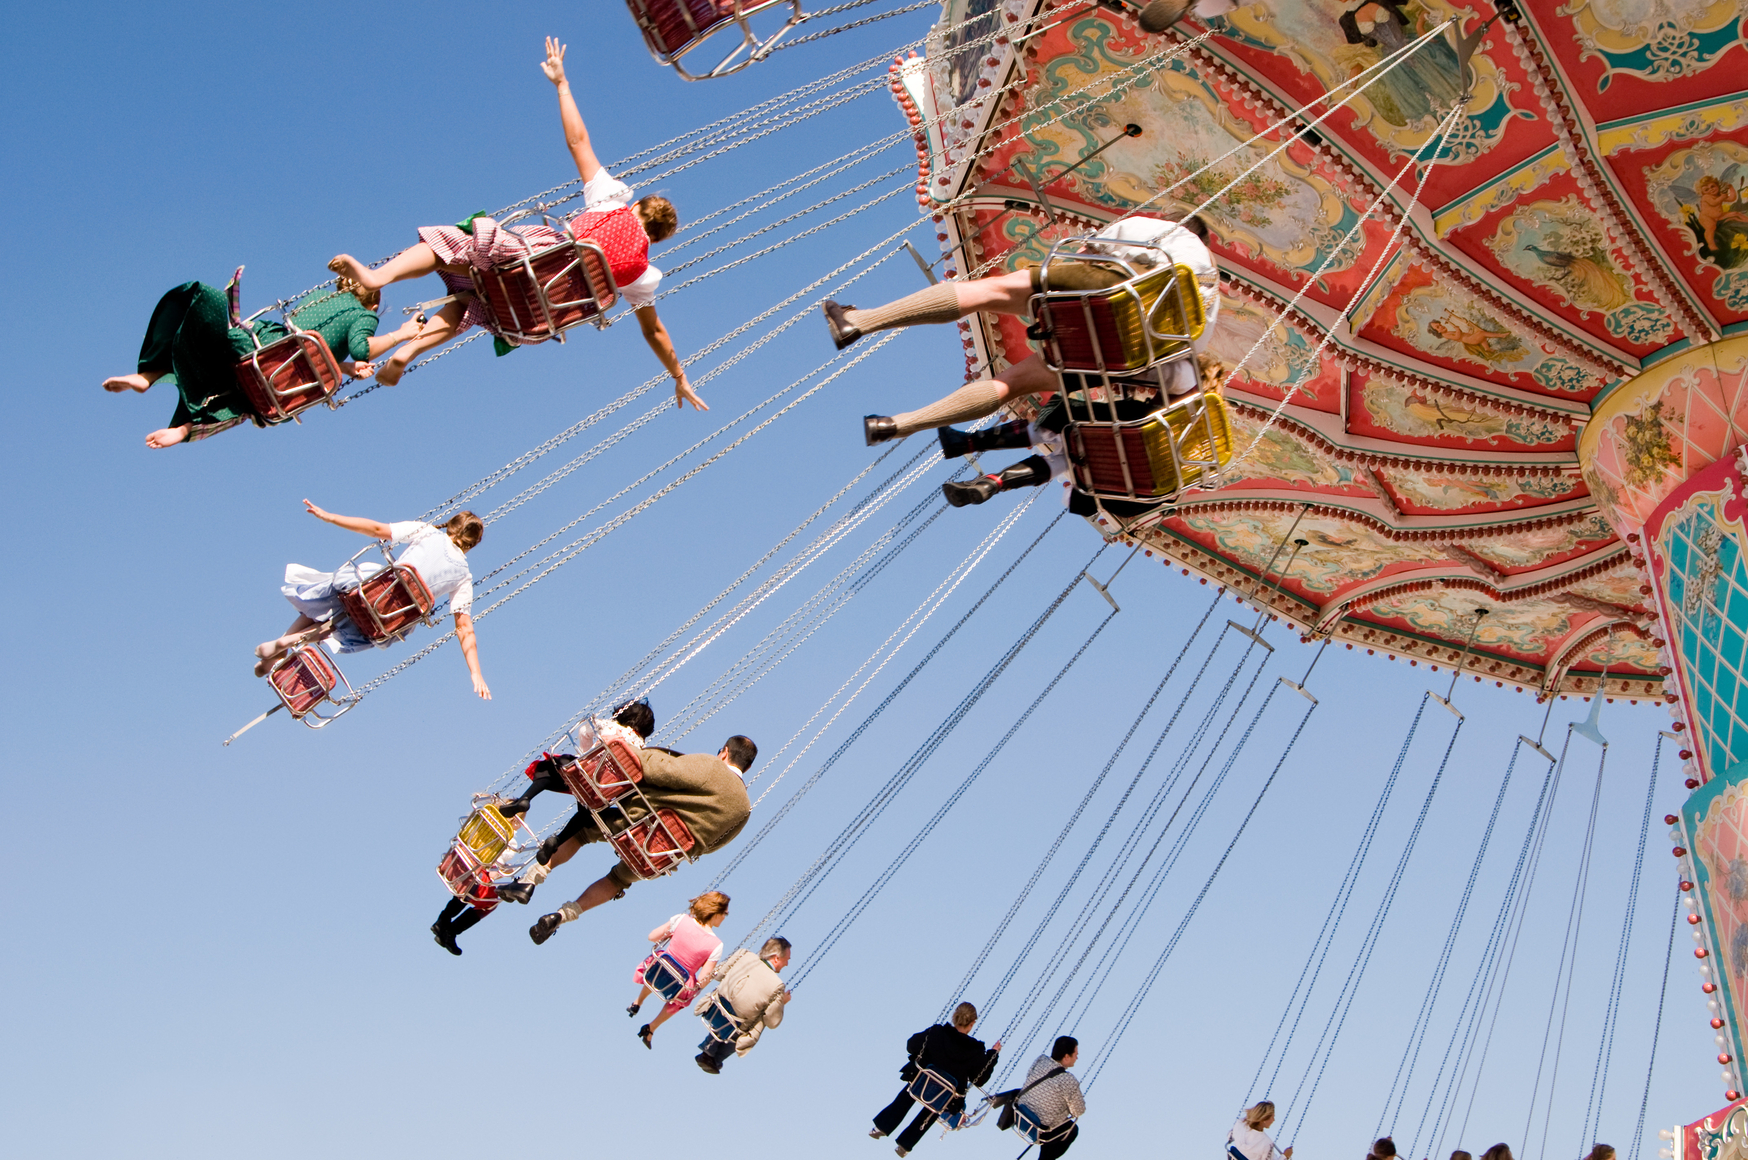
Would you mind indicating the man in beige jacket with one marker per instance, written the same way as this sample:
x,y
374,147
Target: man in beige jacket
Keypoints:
x,y
750,990
706,791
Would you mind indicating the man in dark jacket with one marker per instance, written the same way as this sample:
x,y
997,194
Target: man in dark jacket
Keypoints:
x,y
949,1052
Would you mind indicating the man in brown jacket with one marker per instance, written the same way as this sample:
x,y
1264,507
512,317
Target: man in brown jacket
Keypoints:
x,y
753,994
707,792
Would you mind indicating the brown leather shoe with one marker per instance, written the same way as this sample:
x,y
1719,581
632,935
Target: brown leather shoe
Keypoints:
x,y
843,334
879,429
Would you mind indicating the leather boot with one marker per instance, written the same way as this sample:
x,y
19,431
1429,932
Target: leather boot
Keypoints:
x,y
1033,471
955,443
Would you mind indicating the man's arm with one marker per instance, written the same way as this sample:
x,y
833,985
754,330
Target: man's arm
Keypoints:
x,y
576,134
656,335
1076,1100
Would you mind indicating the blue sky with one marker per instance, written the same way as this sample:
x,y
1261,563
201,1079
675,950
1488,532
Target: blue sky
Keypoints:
x,y
224,951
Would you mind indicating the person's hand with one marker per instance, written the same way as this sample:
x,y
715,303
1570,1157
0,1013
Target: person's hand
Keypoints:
x,y
358,370
411,328
1287,1154
316,511
553,65
683,394
788,995
997,1046
479,686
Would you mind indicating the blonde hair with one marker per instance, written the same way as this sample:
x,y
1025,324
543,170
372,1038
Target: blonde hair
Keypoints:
x,y
708,905
368,298
465,530
1259,1113
1213,372
964,1015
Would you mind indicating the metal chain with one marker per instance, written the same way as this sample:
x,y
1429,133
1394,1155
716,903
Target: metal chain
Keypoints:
x,y
821,35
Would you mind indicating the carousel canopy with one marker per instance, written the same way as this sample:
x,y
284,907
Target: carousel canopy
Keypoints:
x,y
1580,222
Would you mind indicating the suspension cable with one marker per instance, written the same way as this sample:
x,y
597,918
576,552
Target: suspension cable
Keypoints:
x,y
1657,1030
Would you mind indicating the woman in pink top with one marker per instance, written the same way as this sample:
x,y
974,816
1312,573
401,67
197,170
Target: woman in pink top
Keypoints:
x,y
688,939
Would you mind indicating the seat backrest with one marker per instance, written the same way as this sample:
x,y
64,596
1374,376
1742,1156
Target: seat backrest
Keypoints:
x,y
467,878
1177,447
603,774
389,603
671,25
1131,326
537,297
933,1089
288,375
304,680
487,833
654,846
667,976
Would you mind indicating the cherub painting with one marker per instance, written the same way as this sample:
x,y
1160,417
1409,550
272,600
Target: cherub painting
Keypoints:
x,y
1702,189
1482,335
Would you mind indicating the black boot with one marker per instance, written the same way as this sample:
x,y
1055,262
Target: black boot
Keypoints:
x,y
522,892
1033,471
1008,436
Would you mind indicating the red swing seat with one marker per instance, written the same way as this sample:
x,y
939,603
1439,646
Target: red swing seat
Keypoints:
x,y
1151,317
306,678
389,604
655,846
673,28
602,775
548,291
467,878
1179,446
289,375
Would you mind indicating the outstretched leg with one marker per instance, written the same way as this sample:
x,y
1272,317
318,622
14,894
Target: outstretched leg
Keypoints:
x,y
641,996
972,401
303,630
943,302
438,331
1033,471
414,262
603,889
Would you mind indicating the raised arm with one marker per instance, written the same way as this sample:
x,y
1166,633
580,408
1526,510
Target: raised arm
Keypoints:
x,y
656,335
375,529
576,134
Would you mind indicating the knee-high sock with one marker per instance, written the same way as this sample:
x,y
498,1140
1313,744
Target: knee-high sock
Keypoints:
x,y
971,401
939,303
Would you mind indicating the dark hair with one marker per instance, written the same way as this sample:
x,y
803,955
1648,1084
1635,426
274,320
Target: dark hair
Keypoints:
x,y
1601,1152
465,530
1459,1154
1066,1045
1497,1152
1196,225
1382,1149
636,716
741,752
658,217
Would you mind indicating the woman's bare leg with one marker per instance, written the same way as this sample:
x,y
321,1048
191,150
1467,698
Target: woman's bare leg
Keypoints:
x,y
303,630
415,262
662,1017
641,996
438,331
139,382
974,400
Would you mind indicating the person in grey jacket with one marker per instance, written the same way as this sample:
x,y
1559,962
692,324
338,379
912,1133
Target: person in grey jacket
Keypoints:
x,y
1057,1101
750,991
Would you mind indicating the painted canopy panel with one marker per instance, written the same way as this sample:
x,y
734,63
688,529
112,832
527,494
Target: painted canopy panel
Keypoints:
x,y
1414,364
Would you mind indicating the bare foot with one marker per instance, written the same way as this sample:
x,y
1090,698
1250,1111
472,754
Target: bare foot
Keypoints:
x,y
268,649
347,266
167,437
263,666
122,383
391,371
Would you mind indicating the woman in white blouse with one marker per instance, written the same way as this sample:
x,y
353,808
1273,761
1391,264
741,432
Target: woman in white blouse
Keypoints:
x,y
1248,1139
439,555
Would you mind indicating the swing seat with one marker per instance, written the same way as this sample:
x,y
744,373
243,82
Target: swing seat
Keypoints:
x,y
655,846
1032,1130
467,878
1151,317
486,833
934,1090
602,775
673,28
722,1026
389,603
548,291
1180,446
667,976
289,375
305,678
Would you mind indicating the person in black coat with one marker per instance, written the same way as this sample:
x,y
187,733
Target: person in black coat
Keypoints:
x,y
950,1052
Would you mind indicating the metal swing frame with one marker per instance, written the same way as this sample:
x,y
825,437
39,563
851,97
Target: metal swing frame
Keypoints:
x,y
273,403
309,661
739,16
716,1017
630,837
544,294
927,1086
385,627
1099,343
673,976
480,840
1032,1130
